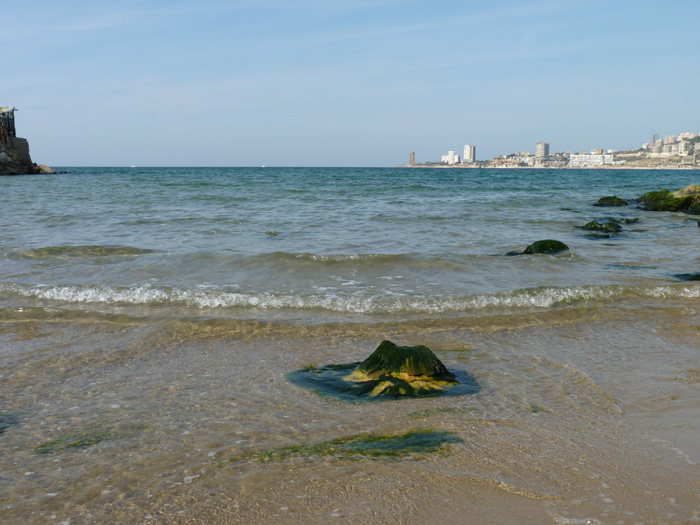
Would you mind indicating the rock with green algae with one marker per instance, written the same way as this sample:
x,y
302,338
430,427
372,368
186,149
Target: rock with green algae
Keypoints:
x,y
606,227
391,371
612,200
545,246
686,200
410,361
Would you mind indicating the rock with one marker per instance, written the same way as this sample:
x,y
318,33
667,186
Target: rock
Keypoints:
x,y
43,168
391,371
545,246
665,200
688,276
625,220
693,189
613,200
607,227
411,361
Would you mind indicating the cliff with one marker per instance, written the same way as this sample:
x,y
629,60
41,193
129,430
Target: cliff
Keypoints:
x,y
14,151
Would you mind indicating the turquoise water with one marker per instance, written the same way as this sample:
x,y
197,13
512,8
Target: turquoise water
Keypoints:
x,y
312,241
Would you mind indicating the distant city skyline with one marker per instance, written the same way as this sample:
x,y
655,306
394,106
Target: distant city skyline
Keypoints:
x,y
356,83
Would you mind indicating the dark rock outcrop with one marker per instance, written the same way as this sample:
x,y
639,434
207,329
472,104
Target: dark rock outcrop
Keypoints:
x,y
686,200
688,276
613,200
606,227
545,246
14,158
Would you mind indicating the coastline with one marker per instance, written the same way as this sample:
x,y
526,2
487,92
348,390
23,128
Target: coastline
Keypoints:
x,y
696,167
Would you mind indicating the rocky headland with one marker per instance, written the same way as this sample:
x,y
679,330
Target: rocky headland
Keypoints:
x,y
14,151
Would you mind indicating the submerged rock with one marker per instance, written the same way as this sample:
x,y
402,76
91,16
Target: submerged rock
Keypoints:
x,y
688,276
545,246
606,227
681,201
391,371
612,200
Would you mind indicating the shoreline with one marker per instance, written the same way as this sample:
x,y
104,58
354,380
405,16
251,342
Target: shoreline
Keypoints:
x,y
692,168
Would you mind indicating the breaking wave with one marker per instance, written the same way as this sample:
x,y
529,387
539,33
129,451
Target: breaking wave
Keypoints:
x,y
543,297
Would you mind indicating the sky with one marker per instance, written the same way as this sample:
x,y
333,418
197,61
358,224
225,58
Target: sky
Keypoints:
x,y
343,83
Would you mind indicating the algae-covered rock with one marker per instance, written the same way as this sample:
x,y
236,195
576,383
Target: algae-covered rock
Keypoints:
x,y
612,200
606,227
391,371
666,200
412,361
545,246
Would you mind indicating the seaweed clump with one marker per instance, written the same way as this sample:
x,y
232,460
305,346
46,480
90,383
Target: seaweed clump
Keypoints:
x,y
391,371
82,440
417,443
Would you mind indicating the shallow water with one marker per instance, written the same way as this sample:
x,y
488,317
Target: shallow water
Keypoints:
x,y
154,314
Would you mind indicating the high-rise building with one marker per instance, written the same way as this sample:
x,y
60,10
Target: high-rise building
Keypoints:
x,y
469,154
412,158
654,138
542,150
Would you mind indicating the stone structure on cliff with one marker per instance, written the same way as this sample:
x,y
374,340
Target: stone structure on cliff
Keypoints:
x,y
14,150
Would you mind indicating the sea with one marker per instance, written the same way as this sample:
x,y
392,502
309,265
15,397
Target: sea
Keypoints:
x,y
150,319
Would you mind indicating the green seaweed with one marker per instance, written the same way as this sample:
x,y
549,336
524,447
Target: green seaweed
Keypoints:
x,y
535,409
82,440
417,443
7,420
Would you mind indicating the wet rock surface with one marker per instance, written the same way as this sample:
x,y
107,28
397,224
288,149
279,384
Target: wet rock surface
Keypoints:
x,y
391,371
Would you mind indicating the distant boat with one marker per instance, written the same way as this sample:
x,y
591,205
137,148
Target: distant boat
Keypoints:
x,y
133,166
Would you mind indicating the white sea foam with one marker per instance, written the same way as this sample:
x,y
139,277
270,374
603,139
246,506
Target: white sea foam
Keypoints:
x,y
332,300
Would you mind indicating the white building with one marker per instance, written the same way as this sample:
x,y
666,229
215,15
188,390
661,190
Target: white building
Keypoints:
x,y
450,159
469,154
542,150
587,161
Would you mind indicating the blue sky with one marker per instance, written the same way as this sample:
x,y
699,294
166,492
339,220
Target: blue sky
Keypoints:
x,y
351,83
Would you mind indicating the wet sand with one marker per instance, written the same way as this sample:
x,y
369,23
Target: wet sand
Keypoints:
x,y
585,415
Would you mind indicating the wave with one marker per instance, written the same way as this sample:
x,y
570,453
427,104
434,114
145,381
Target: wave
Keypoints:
x,y
83,251
543,297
